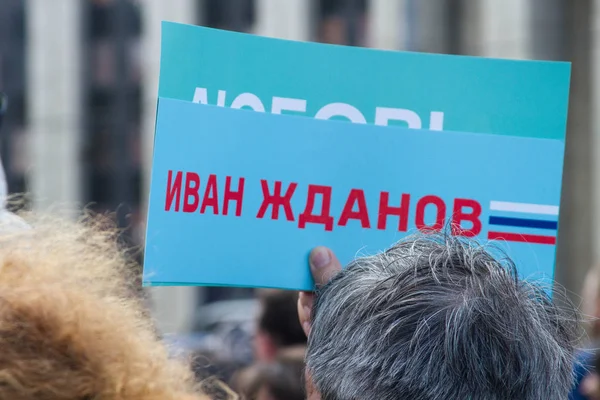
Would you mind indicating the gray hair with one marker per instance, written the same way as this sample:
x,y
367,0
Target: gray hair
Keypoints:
x,y
438,317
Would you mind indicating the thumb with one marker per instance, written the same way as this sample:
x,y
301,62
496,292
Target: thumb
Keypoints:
x,y
323,265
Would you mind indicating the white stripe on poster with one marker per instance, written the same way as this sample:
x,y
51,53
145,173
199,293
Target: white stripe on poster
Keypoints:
x,y
523,208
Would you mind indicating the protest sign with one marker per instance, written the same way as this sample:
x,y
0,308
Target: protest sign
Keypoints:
x,y
415,90
239,198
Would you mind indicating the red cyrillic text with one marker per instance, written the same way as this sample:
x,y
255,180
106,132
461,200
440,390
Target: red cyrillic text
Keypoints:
x,y
440,207
459,215
192,184
356,196
324,218
211,196
183,192
187,191
236,196
276,200
173,190
401,212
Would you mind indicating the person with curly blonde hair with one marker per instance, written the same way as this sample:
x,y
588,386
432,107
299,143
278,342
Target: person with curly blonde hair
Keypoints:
x,y
71,326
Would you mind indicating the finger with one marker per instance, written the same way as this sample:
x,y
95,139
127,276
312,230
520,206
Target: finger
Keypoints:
x,y
305,303
323,265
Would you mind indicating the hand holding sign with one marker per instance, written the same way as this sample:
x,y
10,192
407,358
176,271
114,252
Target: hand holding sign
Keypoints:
x,y
323,266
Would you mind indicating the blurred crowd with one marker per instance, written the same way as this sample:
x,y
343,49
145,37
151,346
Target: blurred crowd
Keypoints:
x,y
279,343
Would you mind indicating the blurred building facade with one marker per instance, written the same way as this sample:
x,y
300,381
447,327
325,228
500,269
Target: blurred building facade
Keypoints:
x,y
82,78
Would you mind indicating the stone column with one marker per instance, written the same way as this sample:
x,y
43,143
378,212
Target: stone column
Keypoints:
x,y
561,31
503,28
54,100
289,19
387,24
173,306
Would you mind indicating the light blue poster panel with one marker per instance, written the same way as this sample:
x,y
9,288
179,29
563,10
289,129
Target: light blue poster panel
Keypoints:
x,y
239,198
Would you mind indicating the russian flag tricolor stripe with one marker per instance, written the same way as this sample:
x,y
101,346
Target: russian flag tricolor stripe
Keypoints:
x,y
523,208
523,222
516,237
530,216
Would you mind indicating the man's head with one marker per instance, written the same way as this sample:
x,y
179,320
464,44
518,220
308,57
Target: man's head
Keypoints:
x,y
278,326
437,317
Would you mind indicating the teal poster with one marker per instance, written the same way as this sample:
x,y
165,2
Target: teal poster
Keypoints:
x,y
415,90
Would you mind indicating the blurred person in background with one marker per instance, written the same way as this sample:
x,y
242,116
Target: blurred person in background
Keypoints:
x,y
3,106
278,327
589,386
280,379
434,317
586,377
209,366
8,220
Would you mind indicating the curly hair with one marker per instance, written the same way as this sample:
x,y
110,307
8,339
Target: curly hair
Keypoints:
x,y
70,324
